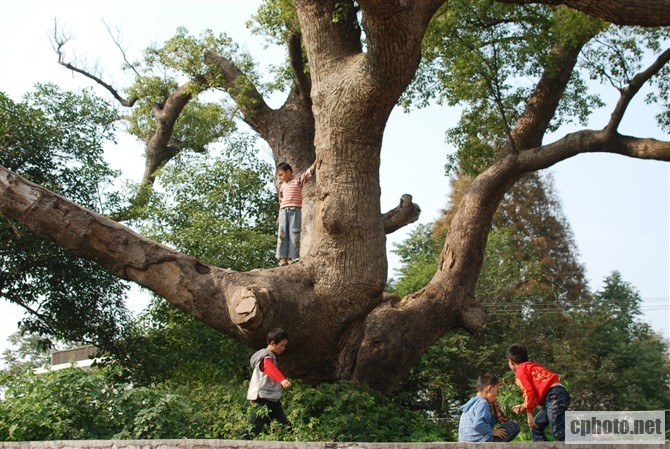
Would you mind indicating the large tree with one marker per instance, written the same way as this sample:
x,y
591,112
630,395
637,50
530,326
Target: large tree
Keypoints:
x,y
350,62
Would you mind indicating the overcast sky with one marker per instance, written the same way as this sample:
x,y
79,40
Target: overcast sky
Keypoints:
x,y
618,208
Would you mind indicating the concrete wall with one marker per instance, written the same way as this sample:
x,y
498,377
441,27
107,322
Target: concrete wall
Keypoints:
x,y
235,444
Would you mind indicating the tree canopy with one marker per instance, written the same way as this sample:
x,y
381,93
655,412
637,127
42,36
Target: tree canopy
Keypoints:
x,y
518,71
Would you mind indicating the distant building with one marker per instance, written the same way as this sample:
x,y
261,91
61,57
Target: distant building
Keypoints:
x,y
81,357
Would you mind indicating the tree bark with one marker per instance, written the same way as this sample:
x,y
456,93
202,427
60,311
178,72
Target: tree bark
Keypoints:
x,y
651,13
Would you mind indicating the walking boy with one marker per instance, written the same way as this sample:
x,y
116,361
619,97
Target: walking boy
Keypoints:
x,y
266,385
476,423
290,212
539,387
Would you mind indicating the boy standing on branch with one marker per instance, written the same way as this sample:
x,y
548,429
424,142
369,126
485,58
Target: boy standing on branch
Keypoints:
x,y
290,213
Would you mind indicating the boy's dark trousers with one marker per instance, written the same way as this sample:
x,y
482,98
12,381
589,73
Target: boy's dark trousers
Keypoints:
x,y
259,420
552,414
512,428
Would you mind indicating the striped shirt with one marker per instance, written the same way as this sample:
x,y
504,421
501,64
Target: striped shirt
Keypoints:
x,y
290,193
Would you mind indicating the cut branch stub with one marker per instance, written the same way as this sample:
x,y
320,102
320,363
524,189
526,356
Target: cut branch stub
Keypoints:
x,y
403,214
245,307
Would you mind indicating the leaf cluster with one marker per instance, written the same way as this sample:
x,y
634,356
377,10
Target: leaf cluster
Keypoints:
x,y
180,61
220,209
77,404
487,58
56,139
74,404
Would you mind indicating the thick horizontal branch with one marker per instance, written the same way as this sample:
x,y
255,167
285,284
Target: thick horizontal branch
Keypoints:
x,y
403,214
229,301
589,141
652,13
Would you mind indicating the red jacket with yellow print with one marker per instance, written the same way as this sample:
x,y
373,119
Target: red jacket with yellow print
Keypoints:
x,y
535,381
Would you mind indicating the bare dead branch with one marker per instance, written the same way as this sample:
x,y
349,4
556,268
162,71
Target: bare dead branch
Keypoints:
x,y
117,41
58,40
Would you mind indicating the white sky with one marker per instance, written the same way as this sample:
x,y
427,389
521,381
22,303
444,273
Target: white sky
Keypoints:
x,y
618,208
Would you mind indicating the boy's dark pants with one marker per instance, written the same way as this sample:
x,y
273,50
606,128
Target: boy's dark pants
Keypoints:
x,y
512,427
259,420
552,414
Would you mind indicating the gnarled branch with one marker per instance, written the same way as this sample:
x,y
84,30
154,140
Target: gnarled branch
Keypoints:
x,y
403,214
651,13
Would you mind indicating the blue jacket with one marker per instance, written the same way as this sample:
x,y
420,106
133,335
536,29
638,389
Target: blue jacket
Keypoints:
x,y
476,423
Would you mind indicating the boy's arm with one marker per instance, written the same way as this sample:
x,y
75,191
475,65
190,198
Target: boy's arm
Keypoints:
x,y
498,413
307,175
482,417
528,390
269,368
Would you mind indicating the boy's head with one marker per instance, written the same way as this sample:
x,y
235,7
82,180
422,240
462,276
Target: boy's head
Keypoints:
x,y
516,354
284,171
277,340
487,387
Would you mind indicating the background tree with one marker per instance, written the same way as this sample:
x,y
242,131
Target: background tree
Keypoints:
x,y
28,352
628,364
530,285
56,139
349,64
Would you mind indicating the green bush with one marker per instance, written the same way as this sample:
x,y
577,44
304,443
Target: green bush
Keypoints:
x,y
76,404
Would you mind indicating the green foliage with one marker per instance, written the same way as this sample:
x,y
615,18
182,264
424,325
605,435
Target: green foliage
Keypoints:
x,y
56,139
346,412
180,60
418,254
275,20
192,217
76,404
166,345
616,57
629,363
69,404
487,57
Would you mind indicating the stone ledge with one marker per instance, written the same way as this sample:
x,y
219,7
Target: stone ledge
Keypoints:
x,y
238,444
